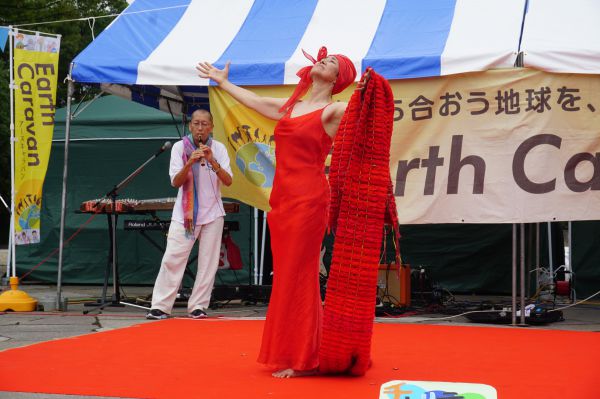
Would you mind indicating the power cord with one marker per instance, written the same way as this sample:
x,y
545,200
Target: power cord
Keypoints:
x,y
576,303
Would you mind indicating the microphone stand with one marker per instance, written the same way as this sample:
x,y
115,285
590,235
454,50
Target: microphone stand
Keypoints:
x,y
112,230
4,203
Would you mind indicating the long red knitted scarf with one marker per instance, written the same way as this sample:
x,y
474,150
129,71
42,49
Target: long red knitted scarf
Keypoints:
x,y
361,200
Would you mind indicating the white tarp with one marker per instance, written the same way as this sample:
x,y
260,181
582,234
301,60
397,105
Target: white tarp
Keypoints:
x,y
562,36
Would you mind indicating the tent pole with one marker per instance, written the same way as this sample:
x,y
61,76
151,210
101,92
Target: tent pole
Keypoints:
x,y
570,239
550,260
262,249
528,259
514,275
9,257
63,208
572,294
518,64
537,257
12,158
522,274
255,246
78,111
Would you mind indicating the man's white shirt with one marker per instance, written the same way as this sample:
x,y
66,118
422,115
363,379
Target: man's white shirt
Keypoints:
x,y
210,205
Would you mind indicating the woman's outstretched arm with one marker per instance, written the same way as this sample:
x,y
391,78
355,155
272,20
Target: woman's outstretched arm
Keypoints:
x,y
266,106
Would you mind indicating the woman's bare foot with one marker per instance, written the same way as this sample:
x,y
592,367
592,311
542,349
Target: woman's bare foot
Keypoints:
x,y
289,373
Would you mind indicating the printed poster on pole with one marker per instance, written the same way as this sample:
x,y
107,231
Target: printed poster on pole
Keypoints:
x,y
35,79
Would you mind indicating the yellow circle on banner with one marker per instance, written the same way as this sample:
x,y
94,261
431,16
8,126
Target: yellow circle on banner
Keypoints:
x,y
28,201
250,135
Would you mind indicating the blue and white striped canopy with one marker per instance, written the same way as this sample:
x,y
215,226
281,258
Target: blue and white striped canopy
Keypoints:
x,y
159,42
154,45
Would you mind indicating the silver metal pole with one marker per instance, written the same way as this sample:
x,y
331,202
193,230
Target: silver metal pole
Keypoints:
x,y
255,246
12,155
514,275
528,260
63,207
518,63
537,257
262,249
570,238
10,238
550,260
522,274
78,112
135,306
4,203
113,228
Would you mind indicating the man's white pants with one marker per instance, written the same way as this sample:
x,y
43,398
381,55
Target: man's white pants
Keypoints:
x,y
175,260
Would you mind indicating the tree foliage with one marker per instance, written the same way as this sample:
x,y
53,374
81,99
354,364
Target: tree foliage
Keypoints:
x,y
75,36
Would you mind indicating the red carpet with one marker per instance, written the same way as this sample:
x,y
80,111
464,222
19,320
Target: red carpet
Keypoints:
x,y
180,358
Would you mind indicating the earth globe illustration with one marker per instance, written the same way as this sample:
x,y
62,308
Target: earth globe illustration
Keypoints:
x,y
29,217
257,163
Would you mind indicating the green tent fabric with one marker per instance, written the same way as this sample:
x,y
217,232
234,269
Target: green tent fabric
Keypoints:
x,y
585,257
471,258
109,140
468,258
113,136
112,117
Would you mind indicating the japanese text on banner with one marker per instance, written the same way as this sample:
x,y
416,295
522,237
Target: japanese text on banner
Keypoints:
x,y
503,146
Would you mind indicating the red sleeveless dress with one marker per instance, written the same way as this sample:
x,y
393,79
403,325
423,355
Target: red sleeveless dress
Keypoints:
x,y
297,221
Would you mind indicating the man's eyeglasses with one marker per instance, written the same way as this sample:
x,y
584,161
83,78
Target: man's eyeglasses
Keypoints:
x,y
203,124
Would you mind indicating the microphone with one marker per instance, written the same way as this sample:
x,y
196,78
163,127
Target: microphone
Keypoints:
x,y
164,147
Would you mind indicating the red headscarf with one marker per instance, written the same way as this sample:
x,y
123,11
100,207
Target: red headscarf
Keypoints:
x,y
346,75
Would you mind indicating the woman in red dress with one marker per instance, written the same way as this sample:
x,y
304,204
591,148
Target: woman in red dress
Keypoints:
x,y
299,206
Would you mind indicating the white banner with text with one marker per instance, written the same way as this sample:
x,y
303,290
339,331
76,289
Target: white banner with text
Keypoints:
x,y
503,146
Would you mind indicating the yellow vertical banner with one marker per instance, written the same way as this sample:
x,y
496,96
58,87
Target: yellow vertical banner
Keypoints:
x,y
35,75
250,142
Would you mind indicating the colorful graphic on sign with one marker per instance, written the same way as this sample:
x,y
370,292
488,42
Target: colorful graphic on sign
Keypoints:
x,y
435,390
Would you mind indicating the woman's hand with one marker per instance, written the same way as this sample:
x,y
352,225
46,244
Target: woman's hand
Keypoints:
x,y
207,71
266,106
